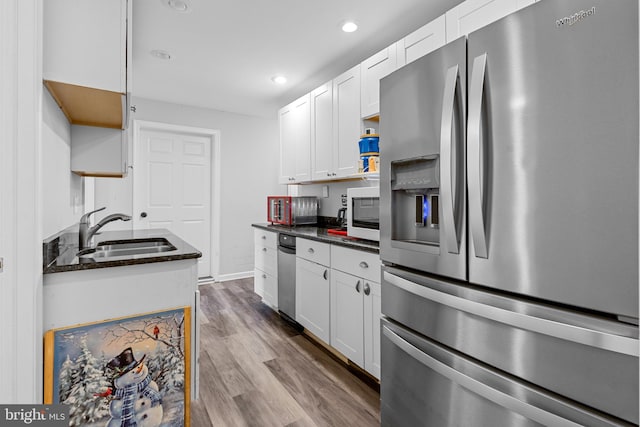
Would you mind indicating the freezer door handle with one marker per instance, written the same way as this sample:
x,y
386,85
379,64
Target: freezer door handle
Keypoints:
x,y
578,334
448,179
475,176
498,397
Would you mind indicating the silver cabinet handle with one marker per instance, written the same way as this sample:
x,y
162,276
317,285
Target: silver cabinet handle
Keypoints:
x,y
367,289
325,274
264,276
449,172
264,249
364,264
310,250
264,237
577,334
474,162
498,397
358,287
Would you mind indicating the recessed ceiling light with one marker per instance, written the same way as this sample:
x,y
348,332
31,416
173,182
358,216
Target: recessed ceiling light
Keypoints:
x,y
349,27
161,54
279,79
182,6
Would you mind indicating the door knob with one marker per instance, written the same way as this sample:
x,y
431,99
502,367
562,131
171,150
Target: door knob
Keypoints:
x,y
143,215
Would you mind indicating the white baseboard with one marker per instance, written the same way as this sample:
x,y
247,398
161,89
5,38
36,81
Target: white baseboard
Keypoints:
x,y
234,276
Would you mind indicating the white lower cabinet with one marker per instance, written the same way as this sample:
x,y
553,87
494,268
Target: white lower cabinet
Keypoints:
x,y
355,307
265,274
372,314
312,297
347,316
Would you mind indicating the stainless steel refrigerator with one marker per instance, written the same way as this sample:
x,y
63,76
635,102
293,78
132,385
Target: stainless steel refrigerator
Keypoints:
x,y
509,223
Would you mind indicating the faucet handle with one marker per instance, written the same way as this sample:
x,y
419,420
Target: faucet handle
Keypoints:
x,y
85,217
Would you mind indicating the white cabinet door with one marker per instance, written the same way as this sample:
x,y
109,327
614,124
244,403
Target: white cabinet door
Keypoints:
x,y
270,288
99,152
312,298
259,279
295,141
347,316
373,69
347,125
372,312
474,14
84,60
287,144
84,43
422,41
265,274
322,132
302,111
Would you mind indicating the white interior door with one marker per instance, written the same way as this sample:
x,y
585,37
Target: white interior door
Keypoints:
x,y
172,185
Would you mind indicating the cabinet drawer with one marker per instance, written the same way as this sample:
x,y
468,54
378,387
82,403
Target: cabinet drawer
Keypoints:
x,y
264,239
359,263
266,286
313,251
266,259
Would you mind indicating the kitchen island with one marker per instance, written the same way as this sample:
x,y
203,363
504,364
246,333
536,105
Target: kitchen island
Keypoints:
x,y
80,290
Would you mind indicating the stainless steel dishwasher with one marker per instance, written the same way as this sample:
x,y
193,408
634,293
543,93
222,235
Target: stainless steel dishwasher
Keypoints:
x,y
287,277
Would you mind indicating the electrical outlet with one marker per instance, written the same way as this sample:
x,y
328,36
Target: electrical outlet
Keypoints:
x,y
343,198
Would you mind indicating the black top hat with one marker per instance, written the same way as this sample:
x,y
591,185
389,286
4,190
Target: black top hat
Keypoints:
x,y
124,362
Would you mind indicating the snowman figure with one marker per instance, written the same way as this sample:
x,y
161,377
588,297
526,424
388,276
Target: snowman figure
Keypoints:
x,y
137,401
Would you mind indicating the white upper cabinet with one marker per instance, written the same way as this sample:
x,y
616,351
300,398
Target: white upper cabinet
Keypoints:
x,y
347,125
422,41
373,69
295,141
86,47
475,14
322,132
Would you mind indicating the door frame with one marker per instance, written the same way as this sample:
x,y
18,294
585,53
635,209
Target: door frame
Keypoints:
x,y
214,136
21,368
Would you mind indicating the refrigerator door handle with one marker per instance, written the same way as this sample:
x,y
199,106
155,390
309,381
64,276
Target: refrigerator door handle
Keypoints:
x,y
451,88
578,334
474,150
496,396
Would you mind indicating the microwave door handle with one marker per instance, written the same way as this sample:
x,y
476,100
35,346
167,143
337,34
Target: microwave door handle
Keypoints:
x,y
474,150
450,228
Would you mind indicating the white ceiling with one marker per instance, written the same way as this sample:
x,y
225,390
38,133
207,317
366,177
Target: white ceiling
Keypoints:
x,y
224,52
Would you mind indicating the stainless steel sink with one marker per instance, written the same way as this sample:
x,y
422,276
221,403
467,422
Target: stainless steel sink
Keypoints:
x,y
120,248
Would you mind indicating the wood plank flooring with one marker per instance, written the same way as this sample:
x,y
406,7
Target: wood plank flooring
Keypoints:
x,y
257,370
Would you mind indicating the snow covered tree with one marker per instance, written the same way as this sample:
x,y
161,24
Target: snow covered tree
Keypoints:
x,y
86,406
65,379
171,377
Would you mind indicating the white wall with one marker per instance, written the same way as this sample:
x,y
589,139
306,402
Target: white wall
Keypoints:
x,y
249,149
62,194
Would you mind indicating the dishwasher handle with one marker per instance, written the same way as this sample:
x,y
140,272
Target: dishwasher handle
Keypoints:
x,y
287,250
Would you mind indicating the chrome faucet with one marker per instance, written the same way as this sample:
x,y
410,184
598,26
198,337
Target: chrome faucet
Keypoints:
x,y
87,233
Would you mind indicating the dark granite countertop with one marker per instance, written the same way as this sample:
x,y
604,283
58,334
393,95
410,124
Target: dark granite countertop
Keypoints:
x,y
59,250
320,234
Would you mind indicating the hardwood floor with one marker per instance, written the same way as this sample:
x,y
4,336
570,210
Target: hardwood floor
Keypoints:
x,y
257,370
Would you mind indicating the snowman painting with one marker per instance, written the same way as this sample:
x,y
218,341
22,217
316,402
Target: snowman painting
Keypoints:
x,y
136,399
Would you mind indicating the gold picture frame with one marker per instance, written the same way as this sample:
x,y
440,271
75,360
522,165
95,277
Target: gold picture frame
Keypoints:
x,y
130,367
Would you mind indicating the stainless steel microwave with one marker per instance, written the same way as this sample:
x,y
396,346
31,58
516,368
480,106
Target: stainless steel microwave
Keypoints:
x,y
363,213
